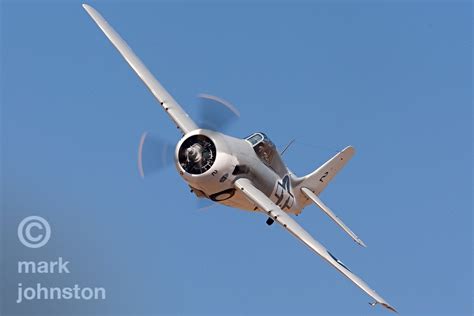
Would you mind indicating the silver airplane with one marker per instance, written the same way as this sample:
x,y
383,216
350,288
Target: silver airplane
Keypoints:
x,y
249,173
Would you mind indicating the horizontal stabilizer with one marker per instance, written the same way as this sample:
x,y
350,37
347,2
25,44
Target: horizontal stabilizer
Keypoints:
x,y
331,214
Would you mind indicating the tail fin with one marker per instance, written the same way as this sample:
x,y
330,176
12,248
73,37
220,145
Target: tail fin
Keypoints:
x,y
317,180
314,183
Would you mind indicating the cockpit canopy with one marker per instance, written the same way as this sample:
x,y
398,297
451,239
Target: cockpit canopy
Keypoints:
x,y
267,152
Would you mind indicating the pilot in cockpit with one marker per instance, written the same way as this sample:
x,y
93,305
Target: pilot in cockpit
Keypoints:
x,y
263,153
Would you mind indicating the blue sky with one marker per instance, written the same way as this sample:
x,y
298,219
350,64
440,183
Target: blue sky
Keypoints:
x,y
393,79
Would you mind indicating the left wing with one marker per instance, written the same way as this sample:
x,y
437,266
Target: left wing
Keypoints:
x,y
172,108
270,209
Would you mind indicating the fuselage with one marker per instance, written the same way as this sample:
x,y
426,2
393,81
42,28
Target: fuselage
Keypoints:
x,y
210,162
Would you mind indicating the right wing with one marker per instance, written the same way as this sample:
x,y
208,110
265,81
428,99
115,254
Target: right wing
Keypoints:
x,y
273,211
174,110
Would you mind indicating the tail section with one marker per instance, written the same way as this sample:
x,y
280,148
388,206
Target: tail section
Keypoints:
x,y
317,180
310,186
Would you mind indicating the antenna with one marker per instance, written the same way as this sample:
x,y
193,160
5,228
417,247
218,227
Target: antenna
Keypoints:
x,y
287,146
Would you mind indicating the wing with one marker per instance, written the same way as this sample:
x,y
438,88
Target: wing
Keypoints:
x,y
273,211
174,110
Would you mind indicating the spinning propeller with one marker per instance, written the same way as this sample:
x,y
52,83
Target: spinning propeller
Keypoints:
x,y
154,153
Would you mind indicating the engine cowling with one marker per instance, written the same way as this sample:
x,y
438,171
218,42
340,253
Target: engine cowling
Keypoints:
x,y
210,162
205,161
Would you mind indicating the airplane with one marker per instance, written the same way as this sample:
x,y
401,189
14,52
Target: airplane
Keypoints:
x,y
248,173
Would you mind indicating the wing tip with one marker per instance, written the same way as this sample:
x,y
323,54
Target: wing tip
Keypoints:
x,y
384,304
360,242
89,9
349,150
389,307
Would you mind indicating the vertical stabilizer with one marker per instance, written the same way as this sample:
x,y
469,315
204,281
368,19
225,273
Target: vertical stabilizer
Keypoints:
x,y
317,180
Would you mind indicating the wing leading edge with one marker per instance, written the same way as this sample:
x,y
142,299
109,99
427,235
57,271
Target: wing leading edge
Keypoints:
x,y
174,110
273,211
